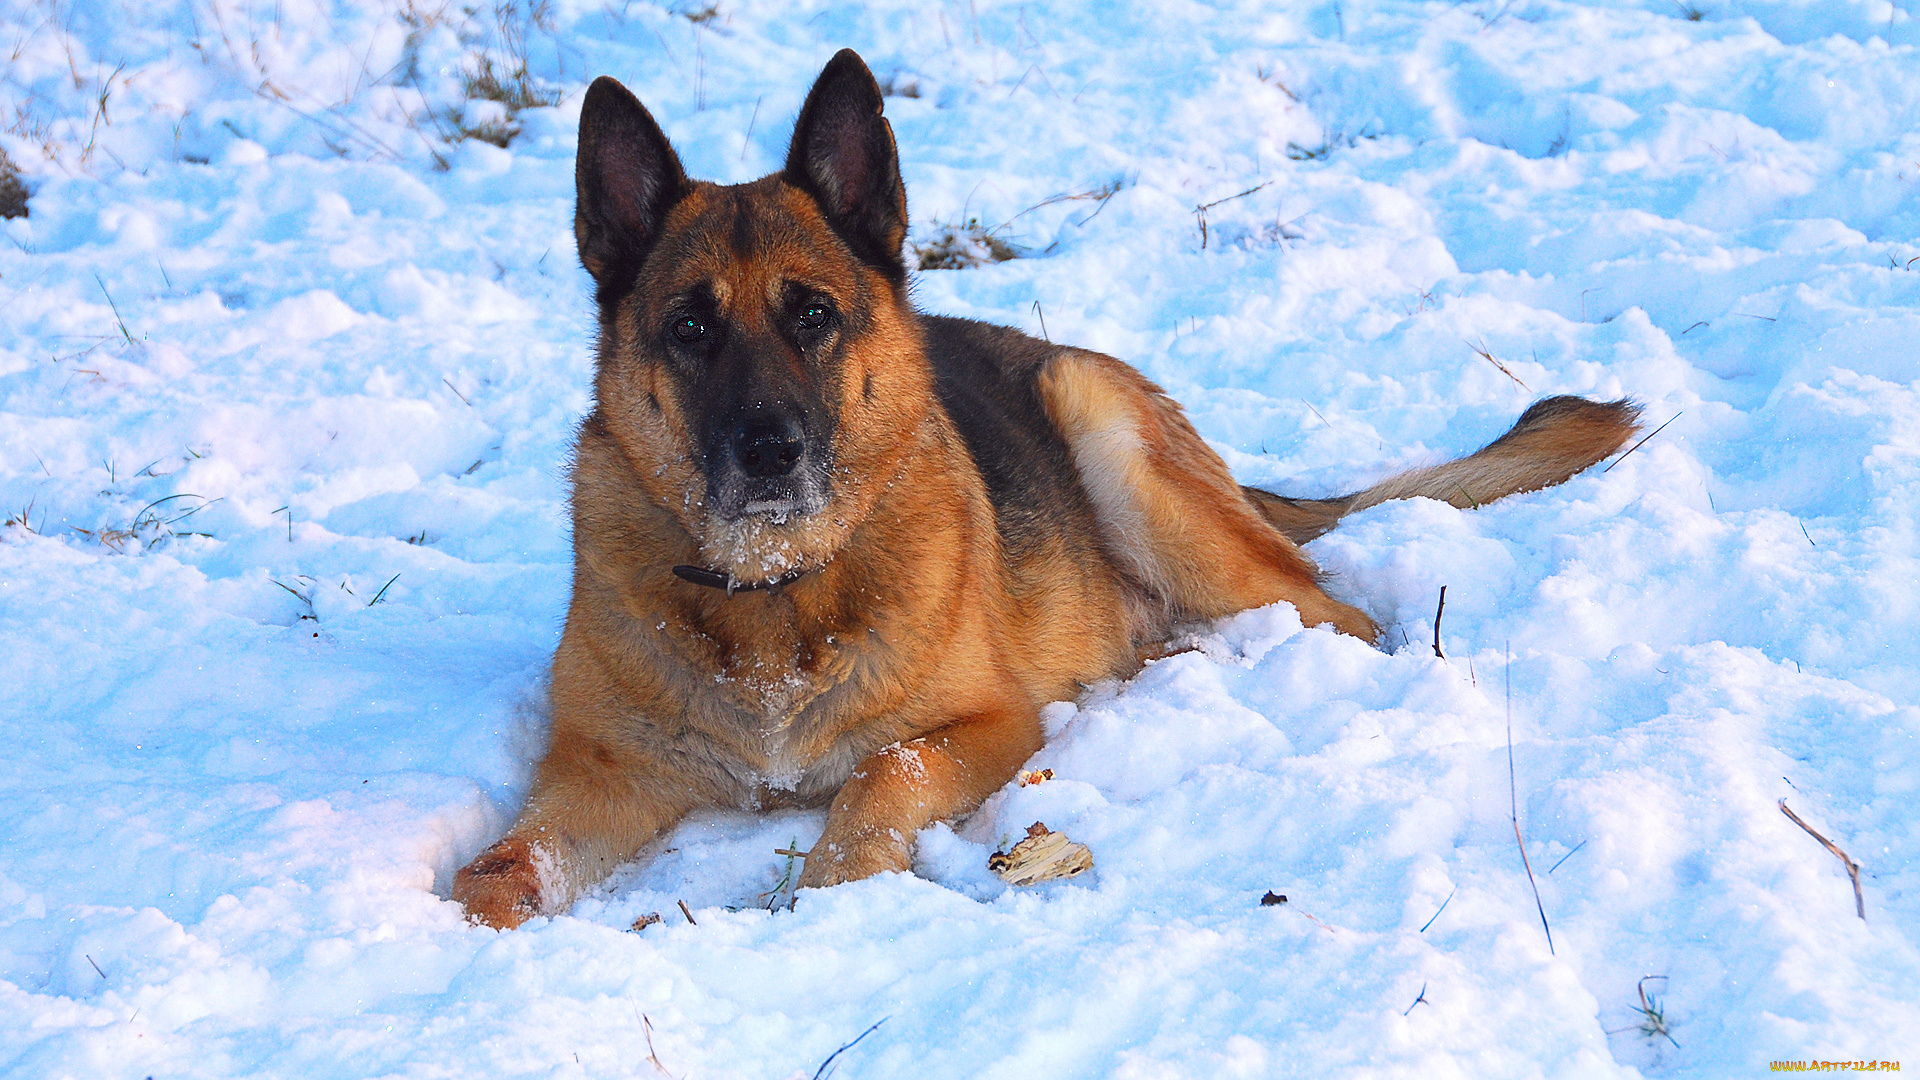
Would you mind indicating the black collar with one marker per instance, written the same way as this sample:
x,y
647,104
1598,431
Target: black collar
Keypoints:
x,y
714,579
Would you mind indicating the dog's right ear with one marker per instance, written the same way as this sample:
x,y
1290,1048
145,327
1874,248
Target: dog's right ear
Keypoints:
x,y
626,176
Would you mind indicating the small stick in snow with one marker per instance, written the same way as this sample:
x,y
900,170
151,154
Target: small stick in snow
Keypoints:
x,y
791,853
1643,442
456,390
1437,612
1513,797
1853,868
684,910
1443,907
96,967
1418,1000
821,1072
1567,856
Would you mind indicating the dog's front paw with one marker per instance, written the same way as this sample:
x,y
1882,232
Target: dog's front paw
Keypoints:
x,y
838,859
501,888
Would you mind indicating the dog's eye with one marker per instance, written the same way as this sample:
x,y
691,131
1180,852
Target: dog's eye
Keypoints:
x,y
815,316
688,330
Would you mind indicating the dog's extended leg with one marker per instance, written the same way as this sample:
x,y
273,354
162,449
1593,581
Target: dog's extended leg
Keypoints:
x,y
905,787
1171,514
596,800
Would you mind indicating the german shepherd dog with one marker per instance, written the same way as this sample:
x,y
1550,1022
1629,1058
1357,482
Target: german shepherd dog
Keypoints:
x,y
829,551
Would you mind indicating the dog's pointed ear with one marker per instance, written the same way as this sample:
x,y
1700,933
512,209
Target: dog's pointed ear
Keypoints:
x,y
843,155
626,177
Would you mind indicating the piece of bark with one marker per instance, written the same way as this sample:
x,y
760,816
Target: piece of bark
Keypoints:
x,y
1043,856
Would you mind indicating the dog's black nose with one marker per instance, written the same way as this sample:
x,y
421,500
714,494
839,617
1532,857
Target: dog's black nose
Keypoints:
x,y
767,444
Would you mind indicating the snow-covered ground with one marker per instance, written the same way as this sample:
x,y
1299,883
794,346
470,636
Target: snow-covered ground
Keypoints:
x,y
287,378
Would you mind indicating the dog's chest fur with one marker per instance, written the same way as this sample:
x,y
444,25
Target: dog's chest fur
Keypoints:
x,y
765,693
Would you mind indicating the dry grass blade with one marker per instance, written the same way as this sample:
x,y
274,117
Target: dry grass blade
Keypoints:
x,y
1853,868
1513,797
24,519
1486,354
1642,442
383,590
1200,212
787,883
1418,1000
646,1024
115,308
1437,612
1653,1014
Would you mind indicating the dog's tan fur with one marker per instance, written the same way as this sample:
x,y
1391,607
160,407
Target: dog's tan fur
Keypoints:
x,y
1000,520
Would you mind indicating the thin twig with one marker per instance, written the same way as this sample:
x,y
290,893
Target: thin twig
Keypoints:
x,y
1437,612
1443,907
1043,321
1230,198
684,910
1642,442
1853,868
456,390
96,966
1513,797
1567,856
822,1071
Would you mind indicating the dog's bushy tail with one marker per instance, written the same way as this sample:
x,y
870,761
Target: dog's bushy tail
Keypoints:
x,y
1552,440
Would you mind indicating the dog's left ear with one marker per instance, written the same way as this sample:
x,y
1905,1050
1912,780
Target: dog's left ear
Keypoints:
x,y
843,155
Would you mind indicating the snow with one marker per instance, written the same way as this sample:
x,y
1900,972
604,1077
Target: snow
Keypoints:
x,y
278,345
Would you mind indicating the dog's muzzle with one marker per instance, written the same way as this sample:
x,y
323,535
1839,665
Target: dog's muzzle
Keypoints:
x,y
766,466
